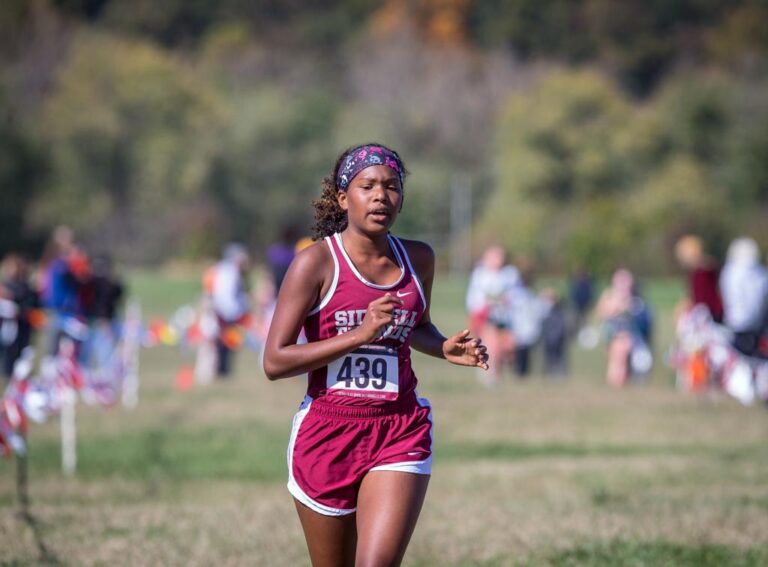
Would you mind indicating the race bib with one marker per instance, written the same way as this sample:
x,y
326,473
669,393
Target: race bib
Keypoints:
x,y
368,372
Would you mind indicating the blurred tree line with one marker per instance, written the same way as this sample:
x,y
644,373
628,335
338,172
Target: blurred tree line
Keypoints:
x,y
591,132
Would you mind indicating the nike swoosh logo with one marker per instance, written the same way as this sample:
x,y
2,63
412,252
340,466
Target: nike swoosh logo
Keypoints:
x,y
401,294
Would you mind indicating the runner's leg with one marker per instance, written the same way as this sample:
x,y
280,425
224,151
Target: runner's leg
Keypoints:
x,y
618,359
388,506
331,539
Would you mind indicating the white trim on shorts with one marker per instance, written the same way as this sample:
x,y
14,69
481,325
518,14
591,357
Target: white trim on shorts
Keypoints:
x,y
331,290
293,486
414,467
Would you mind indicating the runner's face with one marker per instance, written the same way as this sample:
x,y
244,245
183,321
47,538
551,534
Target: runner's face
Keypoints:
x,y
373,198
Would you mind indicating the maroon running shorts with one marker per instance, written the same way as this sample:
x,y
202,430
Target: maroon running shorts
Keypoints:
x,y
333,447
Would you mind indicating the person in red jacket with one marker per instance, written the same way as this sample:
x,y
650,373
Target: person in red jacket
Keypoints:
x,y
703,276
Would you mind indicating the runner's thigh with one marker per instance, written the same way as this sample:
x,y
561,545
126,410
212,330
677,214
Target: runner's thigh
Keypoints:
x,y
388,507
331,540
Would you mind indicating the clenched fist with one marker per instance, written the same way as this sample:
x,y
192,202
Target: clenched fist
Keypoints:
x,y
379,314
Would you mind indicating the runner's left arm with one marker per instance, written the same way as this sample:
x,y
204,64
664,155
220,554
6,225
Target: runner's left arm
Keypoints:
x,y
460,348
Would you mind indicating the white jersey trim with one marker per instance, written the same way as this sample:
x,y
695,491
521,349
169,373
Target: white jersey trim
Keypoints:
x,y
415,275
360,277
293,486
331,290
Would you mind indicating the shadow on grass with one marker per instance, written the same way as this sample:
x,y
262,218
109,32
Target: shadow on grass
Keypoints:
x,y
24,513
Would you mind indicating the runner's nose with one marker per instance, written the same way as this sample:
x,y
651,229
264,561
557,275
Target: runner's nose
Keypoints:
x,y
379,193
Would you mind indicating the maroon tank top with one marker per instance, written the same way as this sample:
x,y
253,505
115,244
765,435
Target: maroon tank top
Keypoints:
x,y
378,372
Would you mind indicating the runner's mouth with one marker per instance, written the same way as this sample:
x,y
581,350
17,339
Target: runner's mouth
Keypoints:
x,y
379,214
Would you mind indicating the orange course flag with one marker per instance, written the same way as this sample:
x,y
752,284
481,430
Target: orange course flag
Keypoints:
x,y
208,279
185,378
698,371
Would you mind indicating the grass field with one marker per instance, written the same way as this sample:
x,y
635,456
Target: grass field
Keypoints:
x,y
533,473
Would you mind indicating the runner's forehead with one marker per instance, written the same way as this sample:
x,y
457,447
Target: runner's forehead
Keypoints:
x,y
377,173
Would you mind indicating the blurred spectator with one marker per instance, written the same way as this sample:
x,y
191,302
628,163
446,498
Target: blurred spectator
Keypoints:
x,y
554,334
487,303
744,285
264,302
627,324
103,293
643,317
20,299
581,292
280,255
105,290
63,268
526,314
703,276
230,302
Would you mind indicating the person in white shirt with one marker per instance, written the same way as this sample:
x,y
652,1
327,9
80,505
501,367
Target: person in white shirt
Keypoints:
x,y
744,287
229,299
487,303
526,314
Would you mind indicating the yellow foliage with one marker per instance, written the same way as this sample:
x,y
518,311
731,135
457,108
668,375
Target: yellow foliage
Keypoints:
x,y
439,21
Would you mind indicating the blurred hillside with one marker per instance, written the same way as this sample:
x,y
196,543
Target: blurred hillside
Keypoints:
x,y
587,131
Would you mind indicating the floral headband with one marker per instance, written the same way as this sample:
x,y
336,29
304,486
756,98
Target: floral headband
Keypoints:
x,y
366,156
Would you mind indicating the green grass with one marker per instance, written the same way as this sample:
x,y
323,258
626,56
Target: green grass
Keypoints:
x,y
531,473
657,554
517,451
248,451
624,553
161,296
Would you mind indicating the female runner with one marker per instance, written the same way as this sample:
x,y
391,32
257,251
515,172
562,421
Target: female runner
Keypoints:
x,y
360,452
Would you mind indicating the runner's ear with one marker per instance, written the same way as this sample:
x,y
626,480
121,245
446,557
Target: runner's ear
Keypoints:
x,y
341,198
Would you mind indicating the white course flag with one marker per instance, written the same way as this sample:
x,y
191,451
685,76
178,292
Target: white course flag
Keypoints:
x,y
129,353
68,431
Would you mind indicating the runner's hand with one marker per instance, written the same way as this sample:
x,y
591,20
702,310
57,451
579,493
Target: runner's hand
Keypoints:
x,y
465,351
379,314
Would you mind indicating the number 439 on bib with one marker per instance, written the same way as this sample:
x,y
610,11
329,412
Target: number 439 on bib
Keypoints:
x,y
370,371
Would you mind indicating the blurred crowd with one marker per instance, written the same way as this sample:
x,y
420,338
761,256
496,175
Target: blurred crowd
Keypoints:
x,y
513,319
73,301
75,297
70,294
721,326
233,309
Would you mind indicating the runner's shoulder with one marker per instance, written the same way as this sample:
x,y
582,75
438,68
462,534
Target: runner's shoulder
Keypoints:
x,y
421,254
313,261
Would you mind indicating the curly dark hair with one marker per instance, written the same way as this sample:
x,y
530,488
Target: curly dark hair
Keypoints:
x,y
329,216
